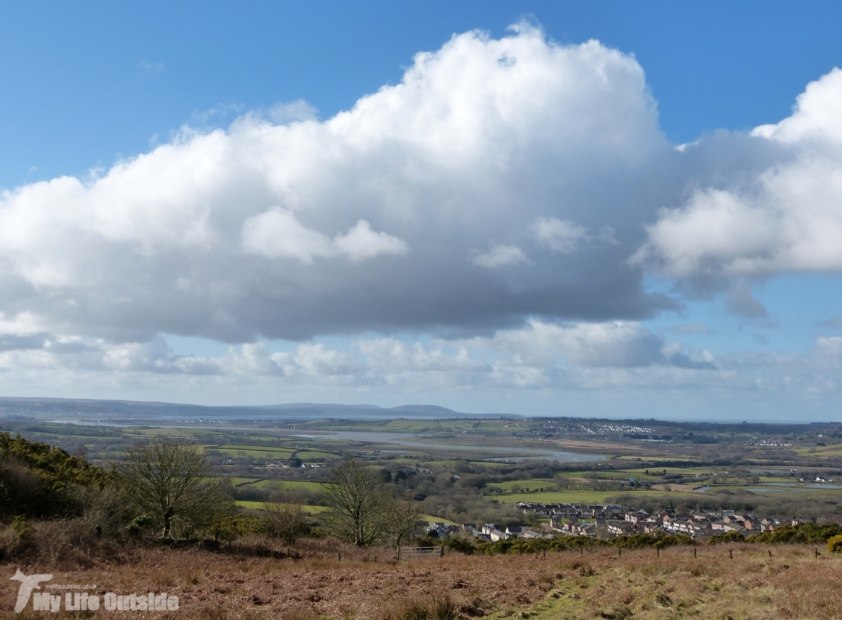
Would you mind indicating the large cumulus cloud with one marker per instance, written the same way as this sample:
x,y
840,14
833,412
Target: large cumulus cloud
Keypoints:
x,y
500,179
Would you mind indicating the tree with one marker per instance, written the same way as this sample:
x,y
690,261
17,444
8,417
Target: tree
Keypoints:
x,y
400,520
173,483
285,517
358,504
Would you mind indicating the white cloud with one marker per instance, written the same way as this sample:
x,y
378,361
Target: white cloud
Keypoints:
x,y
154,67
361,243
619,344
277,233
286,226
392,355
785,217
500,256
557,235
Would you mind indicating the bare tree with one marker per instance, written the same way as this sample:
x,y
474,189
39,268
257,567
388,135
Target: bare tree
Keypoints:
x,y
173,483
285,517
401,520
358,503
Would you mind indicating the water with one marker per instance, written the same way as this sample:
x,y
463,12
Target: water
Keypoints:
x,y
404,440
417,442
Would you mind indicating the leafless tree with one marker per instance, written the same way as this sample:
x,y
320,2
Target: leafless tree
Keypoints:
x,y
358,503
173,483
400,521
285,517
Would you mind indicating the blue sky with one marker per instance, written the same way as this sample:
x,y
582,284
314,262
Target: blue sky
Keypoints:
x,y
200,207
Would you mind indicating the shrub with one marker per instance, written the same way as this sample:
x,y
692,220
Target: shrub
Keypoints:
x,y
438,608
727,537
834,544
462,545
21,527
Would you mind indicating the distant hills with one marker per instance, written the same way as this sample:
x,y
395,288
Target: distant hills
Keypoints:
x,y
132,410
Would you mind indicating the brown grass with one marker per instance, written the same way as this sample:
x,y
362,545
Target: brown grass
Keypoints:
x,y
363,584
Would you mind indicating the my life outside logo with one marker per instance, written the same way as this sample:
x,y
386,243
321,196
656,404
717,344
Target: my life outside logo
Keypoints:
x,y
81,600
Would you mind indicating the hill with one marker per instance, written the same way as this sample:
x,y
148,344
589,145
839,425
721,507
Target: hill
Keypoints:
x,y
70,409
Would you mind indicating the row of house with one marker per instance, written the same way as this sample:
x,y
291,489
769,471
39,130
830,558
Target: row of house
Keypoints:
x,y
595,520
489,531
614,520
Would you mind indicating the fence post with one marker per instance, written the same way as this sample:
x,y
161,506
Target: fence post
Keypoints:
x,y
731,553
399,553
441,553
694,553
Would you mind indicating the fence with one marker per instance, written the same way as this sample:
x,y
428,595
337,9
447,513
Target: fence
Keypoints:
x,y
407,553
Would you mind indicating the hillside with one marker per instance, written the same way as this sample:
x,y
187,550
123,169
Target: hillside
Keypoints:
x,y
759,582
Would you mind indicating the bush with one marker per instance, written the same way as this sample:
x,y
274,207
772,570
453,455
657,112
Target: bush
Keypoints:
x,y
804,533
439,608
834,544
456,543
727,537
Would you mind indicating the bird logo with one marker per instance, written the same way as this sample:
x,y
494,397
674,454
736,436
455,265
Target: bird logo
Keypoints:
x,y
27,585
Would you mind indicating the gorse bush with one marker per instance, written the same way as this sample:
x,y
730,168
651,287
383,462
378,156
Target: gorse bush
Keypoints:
x,y
804,533
834,544
58,468
727,537
539,545
38,480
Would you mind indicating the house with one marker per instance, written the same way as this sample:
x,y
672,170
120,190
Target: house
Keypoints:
x,y
621,528
637,517
496,535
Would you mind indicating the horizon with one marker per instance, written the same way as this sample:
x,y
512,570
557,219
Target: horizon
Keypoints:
x,y
407,415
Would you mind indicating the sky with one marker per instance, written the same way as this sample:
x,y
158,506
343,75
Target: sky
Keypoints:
x,y
621,209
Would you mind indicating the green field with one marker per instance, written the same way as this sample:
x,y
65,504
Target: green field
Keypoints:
x,y
299,485
315,456
434,519
525,485
259,506
261,452
240,481
577,496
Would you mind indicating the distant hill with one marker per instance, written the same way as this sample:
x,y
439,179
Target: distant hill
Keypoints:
x,y
139,410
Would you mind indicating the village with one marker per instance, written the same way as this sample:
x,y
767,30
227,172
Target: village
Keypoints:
x,y
611,520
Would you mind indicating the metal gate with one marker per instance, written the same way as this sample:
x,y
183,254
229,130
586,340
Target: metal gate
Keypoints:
x,y
408,553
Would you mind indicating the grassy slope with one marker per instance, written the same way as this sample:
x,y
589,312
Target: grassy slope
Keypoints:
x,y
790,583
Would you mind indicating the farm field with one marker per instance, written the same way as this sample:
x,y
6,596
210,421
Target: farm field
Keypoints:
x,y
526,486
249,505
298,485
